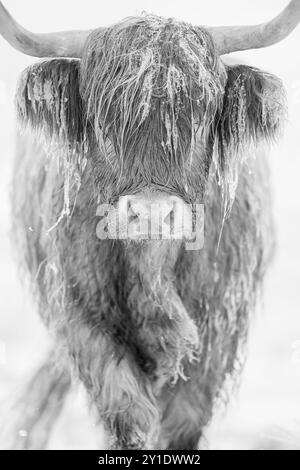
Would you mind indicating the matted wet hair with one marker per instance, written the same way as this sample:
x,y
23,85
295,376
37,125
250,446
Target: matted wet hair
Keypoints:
x,y
151,77
254,112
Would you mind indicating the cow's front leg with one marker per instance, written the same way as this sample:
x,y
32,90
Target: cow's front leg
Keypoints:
x,y
117,387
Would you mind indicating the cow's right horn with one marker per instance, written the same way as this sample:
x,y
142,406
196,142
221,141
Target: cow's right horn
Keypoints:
x,y
240,38
61,44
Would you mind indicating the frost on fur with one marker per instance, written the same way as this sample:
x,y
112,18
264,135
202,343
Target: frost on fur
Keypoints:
x,y
151,80
151,90
49,104
153,331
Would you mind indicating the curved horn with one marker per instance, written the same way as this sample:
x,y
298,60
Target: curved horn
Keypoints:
x,y
62,44
240,38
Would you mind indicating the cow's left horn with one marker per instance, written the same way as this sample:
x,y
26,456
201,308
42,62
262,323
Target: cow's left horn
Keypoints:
x,y
240,38
62,44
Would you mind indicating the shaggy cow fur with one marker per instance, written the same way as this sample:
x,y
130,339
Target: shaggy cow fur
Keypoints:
x,y
152,330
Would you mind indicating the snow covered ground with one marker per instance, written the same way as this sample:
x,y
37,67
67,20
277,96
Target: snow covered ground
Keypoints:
x,y
266,412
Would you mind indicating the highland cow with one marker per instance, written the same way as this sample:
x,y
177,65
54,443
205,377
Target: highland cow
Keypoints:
x,y
144,111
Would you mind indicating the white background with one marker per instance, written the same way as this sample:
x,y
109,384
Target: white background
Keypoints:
x,y
266,412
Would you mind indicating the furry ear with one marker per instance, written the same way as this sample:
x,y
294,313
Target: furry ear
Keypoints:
x,y
254,110
49,102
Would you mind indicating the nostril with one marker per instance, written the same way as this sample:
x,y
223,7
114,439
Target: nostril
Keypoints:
x,y
170,220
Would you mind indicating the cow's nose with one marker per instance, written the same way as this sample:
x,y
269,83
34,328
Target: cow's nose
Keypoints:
x,y
154,216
